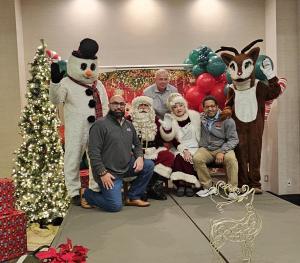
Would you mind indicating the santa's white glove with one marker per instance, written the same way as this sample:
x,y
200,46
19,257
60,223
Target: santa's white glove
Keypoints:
x,y
167,122
266,68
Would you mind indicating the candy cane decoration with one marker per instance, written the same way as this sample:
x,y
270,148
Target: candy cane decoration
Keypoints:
x,y
54,57
268,105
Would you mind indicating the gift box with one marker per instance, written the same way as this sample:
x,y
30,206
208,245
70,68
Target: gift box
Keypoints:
x,y
7,199
13,242
61,133
84,178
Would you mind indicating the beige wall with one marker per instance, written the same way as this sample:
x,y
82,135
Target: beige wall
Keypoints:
x,y
281,151
20,43
269,161
9,86
288,104
163,32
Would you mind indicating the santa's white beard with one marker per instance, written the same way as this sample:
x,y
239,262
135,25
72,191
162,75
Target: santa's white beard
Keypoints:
x,y
144,123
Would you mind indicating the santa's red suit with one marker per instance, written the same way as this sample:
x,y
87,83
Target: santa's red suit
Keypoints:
x,y
147,127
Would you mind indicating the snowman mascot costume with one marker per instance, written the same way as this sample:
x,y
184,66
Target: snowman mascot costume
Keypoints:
x,y
85,100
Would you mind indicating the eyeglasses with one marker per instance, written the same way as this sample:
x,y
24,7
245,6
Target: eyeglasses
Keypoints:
x,y
210,106
116,104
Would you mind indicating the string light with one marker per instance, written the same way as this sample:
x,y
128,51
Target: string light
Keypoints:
x,y
38,171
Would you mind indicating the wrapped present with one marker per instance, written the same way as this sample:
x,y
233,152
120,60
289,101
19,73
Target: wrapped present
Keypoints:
x,y
13,242
7,199
61,132
84,178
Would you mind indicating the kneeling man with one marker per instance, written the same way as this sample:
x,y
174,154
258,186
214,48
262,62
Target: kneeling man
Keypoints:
x,y
116,152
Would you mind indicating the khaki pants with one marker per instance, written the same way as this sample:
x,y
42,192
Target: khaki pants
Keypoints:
x,y
204,156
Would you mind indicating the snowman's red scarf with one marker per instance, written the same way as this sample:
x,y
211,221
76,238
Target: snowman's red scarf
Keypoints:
x,y
96,96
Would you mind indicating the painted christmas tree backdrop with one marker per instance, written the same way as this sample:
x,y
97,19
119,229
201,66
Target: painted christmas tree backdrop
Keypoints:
x,y
131,83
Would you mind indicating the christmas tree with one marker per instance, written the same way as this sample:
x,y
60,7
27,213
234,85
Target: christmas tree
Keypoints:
x,y
38,173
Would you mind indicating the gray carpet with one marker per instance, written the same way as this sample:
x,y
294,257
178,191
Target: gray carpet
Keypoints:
x,y
177,230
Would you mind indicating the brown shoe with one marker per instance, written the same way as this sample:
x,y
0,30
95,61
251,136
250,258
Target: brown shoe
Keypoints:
x,y
83,202
137,202
258,191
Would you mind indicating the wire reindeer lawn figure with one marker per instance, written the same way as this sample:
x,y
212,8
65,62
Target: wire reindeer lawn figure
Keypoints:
x,y
243,230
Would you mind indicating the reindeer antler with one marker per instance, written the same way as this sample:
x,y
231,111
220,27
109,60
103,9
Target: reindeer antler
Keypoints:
x,y
251,45
232,49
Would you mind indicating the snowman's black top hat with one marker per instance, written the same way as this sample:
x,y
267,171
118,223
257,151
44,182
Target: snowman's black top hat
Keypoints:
x,y
87,49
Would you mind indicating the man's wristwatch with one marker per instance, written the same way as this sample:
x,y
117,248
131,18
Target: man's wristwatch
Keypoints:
x,y
103,173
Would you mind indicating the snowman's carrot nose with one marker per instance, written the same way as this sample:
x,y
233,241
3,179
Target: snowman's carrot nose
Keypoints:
x,y
88,73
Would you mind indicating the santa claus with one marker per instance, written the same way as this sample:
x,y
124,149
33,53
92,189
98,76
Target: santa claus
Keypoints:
x,y
147,127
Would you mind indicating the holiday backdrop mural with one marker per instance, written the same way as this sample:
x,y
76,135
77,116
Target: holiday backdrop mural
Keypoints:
x,y
131,83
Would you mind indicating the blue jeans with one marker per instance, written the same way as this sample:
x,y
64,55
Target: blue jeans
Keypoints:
x,y
111,199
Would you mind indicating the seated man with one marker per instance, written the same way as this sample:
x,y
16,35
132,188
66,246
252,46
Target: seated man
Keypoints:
x,y
116,152
218,139
147,126
159,92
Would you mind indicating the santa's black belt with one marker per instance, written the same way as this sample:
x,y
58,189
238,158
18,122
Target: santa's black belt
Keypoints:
x,y
149,144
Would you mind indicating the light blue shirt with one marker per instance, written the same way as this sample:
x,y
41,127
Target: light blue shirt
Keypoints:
x,y
159,98
211,121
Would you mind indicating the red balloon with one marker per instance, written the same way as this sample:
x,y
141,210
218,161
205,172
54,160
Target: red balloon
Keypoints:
x,y
200,108
222,78
193,97
205,82
184,89
218,93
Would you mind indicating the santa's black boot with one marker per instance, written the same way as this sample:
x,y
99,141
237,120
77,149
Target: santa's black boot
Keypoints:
x,y
155,189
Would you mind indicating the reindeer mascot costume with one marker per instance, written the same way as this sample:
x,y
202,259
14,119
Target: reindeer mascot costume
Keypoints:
x,y
85,100
247,97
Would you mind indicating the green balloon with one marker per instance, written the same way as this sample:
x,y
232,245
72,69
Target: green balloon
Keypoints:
x,y
194,56
258,73
215,66
188,61
198,70
211,54
62,66
205,49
